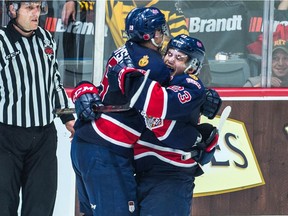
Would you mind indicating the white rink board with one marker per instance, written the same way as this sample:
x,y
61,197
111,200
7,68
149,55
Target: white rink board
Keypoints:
x,y
65,200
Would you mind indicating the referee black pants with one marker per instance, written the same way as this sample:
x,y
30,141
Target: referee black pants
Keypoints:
x,y
28,161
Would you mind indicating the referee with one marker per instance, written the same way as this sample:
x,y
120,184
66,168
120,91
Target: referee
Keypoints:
x,y
30,89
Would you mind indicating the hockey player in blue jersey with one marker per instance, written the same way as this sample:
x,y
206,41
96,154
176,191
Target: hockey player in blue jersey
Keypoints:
x,y
114,134
101,151
168,153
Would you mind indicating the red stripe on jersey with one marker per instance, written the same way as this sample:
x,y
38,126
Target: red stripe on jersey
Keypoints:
x,y
156,98
104,83
163,130
115,132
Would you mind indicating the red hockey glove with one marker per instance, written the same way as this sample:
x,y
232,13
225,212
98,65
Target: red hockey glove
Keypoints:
x,y
86,98
126,75
84,87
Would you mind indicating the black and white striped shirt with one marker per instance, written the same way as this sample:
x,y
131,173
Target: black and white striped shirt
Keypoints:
x,y
30,85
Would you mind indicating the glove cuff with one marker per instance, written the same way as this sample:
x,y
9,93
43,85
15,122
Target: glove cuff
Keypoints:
x,y
83,88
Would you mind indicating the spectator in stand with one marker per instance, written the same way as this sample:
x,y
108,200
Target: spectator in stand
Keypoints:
x,y
279,76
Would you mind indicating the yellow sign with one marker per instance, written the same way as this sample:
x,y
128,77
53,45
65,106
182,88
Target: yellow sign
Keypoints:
x,y
234,166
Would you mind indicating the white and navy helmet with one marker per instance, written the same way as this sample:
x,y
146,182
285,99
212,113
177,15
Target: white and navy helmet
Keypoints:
x,y
193,48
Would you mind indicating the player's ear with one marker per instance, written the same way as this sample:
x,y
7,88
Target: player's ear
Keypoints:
x,y
12,10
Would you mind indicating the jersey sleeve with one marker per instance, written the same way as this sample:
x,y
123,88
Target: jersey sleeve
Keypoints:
x,y
175,102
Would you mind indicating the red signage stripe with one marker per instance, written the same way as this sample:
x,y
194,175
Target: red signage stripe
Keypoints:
x,y
53,25
259,24
48,23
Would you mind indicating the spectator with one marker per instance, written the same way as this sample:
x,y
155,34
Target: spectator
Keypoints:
x,y
30,90
279,76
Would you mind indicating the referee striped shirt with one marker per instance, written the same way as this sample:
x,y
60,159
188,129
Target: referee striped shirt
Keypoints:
x,y
30,85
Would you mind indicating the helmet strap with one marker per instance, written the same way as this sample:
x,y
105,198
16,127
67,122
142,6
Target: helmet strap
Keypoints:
x,y
155,44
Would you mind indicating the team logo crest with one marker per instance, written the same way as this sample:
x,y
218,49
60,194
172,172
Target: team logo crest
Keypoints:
x,y
48,49
143,61
152,122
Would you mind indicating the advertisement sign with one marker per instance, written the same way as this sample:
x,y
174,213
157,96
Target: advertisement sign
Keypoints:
x,y
234,166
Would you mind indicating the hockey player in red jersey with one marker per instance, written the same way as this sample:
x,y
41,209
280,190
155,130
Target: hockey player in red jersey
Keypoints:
x,y
101,151
169,152
111,136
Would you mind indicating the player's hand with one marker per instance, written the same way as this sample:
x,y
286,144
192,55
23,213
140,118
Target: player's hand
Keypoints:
x,y
212,104
70,127
209,135
126,75
86,99
209,141
85,106
114,70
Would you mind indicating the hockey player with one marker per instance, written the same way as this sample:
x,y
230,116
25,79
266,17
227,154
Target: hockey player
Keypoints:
x,y
169,152
145,27
101,150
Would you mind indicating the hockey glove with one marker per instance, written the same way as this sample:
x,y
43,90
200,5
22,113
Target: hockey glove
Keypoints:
x,y
209,141
115,68
212,104
205,157
86,99
126,77
210,136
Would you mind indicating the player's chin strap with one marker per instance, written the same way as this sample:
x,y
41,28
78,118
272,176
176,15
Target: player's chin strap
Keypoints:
x,y
159,46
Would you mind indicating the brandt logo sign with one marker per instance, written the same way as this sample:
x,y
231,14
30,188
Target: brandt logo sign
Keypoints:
x,y
196,24
234,166
56,25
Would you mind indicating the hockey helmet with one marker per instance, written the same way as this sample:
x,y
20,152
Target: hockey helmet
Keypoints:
x,y
193,48
141,24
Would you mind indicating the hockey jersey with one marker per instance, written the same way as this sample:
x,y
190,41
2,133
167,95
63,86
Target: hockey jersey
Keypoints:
x,y
167,142
119,131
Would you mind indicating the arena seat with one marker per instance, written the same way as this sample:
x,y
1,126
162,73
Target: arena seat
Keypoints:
x,y
229,73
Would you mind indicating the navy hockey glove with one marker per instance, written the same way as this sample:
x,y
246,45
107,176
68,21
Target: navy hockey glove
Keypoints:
x,y
209,141
86,99
205,157
212,104
209,135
